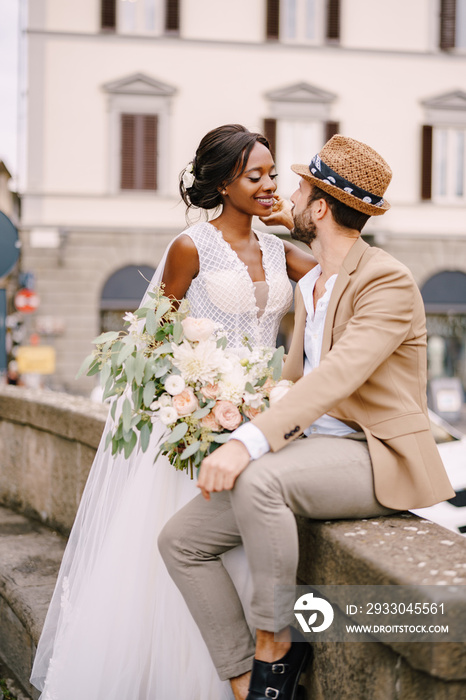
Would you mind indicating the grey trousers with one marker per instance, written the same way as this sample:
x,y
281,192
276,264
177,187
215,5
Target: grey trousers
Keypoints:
x,y
321,477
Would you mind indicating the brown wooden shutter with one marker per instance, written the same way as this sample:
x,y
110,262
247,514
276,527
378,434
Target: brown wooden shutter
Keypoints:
x,y
172,15
426,162
333,20
447,24
270,133
138,152
331,128
273,19
127,180
149,169
108,15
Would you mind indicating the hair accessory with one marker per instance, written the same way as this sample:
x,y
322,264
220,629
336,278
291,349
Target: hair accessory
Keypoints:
x,y
352,172
188,176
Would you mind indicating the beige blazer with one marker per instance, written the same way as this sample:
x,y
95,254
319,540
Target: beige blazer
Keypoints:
x,y
372,376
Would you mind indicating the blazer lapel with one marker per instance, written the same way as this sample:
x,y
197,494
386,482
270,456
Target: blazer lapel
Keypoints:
x,y
349,265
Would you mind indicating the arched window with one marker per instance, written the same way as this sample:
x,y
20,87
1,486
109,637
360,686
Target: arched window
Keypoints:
x,y
444,297
123,292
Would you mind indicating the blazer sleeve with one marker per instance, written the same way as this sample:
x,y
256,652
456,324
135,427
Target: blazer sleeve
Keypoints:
x,y
381,321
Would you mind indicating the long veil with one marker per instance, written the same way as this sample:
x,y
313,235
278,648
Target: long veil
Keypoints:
x,y
115,609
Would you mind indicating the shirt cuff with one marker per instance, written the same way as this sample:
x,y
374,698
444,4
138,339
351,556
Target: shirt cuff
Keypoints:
x,y
253,439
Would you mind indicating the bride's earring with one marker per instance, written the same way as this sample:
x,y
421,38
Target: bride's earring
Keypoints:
x,y
224,191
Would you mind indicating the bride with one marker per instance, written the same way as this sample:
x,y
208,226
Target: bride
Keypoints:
x,y
117,627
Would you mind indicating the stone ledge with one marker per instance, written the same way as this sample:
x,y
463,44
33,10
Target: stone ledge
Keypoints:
x,y
394,550
71,417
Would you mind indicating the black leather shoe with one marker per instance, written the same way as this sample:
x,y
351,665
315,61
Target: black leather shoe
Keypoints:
x,y
279,680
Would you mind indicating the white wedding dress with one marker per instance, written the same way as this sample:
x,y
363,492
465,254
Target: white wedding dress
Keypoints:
x,y
117,627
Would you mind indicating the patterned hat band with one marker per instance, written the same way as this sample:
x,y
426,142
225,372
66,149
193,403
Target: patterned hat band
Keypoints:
x,y
321,170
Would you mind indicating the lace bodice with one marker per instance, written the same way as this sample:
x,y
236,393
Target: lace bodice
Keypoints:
x,y
223,289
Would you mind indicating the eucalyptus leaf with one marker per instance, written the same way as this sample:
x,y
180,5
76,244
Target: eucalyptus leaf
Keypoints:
x,y
130,369
127,413
129,446
177,332
145,435
221,437
148,393
94,369
200,413
222,342
105,374
125,352
141,312
105,337
249,388
108,440
113,409
108,389
177,433
164,306
151,323
139,368
87,362
190,450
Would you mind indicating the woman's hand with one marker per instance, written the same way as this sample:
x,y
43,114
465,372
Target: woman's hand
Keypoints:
x,y
281,213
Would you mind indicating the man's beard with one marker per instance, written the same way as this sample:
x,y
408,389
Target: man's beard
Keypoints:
x,y
304,228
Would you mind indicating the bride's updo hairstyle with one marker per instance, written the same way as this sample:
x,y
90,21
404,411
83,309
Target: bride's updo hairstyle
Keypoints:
x,y
221,157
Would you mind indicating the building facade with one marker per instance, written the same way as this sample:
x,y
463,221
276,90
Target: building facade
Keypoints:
x,y
119,93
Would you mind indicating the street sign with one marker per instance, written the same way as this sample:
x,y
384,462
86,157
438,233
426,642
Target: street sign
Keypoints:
x,y
9,245
36,359
26,301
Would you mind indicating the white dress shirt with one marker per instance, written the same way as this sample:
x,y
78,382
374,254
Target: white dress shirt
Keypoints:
x,y
253,438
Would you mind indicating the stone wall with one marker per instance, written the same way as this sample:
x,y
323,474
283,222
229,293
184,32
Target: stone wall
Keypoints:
x,y
47,444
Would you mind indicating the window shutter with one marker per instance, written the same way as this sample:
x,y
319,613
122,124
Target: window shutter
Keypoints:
x,y
273,19
108,15
138,152
447,24
172,15
270,133
127,180
149,170
331,128
426,162
333,20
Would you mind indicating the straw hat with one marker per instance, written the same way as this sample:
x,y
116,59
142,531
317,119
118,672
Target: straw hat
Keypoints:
x,y
351,172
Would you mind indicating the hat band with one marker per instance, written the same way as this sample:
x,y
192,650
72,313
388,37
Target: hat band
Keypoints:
x,y
322,171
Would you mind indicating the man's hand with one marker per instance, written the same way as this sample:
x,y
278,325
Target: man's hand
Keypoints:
x,y
219,470
281,213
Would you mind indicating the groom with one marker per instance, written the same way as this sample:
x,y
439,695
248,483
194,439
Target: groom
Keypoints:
x,y
358,358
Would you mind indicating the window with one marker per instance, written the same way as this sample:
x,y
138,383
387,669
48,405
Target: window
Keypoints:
x,y
444,149
139,108
140,16
299,128
453,24
122,292
303,21
138,152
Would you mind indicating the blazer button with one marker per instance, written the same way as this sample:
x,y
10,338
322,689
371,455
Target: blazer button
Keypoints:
x,y
287,436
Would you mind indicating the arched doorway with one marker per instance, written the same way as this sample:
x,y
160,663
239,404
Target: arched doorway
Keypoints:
x,y
444,297
122,292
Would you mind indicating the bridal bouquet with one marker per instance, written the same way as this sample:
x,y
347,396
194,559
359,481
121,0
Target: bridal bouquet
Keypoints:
x,y
176,369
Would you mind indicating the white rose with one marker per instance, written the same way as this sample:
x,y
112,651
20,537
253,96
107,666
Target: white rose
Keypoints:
x,y
253,400
278,392
196,329
174,384
161,402
167,415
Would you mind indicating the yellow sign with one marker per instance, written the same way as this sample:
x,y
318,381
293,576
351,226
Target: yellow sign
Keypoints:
x,y
36,359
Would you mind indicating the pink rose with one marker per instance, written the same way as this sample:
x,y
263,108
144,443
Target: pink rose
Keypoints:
x,y
269,384
227,414
210,391
196,329
211,423
185,402
251,412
